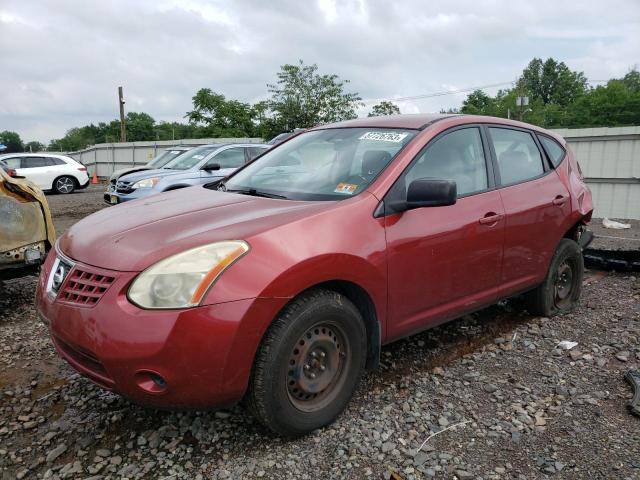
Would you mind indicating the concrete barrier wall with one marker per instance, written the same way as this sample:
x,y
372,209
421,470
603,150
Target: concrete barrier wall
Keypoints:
x,y
610,162
107,157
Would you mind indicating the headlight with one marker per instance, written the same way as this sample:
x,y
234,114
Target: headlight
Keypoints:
x,y
146,183
183,279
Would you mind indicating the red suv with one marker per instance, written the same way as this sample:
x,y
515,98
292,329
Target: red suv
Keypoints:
x,y
280,284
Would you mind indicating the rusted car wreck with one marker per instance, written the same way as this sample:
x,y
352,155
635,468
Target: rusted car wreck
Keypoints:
x,y
26,228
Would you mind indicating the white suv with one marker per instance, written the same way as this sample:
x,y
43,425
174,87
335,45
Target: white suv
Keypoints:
x,y
59,173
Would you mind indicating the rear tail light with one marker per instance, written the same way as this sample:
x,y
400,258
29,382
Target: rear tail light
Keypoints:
x,y
82,169
12,173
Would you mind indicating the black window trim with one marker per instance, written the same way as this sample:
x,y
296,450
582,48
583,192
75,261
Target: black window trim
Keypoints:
x,y
546,168
549,137
381,210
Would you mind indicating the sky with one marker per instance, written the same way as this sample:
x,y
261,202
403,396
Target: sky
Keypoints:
x,y
62,61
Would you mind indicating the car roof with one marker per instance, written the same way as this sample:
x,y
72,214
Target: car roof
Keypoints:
x,y
38,154
420,121
416,121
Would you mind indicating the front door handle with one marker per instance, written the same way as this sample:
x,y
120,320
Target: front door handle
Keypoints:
x,y
490,218
560,200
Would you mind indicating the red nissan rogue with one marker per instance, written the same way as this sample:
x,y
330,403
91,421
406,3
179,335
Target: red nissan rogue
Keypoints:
x,y
279,285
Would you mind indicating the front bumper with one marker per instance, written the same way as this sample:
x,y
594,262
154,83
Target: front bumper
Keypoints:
x,y
200,354
113,197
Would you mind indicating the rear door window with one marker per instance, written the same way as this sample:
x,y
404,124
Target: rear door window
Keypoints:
x,y
518,156
554,150
230,158
34,162
253,152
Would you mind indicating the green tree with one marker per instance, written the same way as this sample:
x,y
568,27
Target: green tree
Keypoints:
x,y
552,82
34,146
220,117
303,98
12,141
632,80
615,104
478,103
139,126
384,108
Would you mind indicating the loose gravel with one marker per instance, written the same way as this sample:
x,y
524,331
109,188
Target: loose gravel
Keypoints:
x,y
489,396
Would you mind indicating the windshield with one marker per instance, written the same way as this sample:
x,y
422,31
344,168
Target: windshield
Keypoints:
x,y
327,164
164,158
191,158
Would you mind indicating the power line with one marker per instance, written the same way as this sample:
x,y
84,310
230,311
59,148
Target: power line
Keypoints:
x,y
464,90
451,92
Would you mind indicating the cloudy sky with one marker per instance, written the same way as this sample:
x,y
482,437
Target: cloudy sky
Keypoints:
x,y
62,61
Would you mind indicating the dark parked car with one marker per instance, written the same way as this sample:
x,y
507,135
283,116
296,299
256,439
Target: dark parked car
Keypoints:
x,y
280,284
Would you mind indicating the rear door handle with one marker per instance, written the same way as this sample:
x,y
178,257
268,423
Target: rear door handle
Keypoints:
x,y
560,200
490,218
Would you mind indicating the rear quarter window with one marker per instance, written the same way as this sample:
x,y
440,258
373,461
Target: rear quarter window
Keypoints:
x,y
554,150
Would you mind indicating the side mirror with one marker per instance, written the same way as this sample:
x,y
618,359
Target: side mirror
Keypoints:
x,y
211,167
427,192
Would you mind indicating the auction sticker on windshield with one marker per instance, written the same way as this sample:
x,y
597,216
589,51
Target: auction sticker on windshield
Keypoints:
x,y
347,188
384,136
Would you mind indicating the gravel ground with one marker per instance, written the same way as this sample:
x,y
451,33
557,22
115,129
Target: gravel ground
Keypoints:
x,y
610,239
488,396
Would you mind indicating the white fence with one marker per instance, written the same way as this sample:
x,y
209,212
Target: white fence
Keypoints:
x,y
107,157
610,162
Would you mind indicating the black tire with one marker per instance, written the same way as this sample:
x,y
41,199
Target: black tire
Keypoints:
x,y
64,185
309,364
560,291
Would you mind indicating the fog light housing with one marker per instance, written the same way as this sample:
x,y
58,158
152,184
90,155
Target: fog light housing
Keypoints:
x,y
151,382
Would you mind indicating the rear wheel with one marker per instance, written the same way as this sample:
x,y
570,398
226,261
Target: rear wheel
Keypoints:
x,y
64,185
560,291
309,364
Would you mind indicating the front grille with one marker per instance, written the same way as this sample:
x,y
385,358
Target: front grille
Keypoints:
x,y
124,186
83,287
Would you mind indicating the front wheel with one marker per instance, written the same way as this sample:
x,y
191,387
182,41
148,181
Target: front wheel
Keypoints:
x,y
309,364
64,185
560,291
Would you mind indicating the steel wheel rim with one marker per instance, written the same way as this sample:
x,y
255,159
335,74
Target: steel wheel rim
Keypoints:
x,y
317,366
563,284
64,185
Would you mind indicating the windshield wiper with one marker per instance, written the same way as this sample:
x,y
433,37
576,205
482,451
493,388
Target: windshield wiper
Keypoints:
x,y
255,193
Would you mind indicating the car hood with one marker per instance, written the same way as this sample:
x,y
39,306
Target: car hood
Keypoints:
x,y
161,172
134,235
126,171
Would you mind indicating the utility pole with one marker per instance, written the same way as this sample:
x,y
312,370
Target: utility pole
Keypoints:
x,y
123,131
